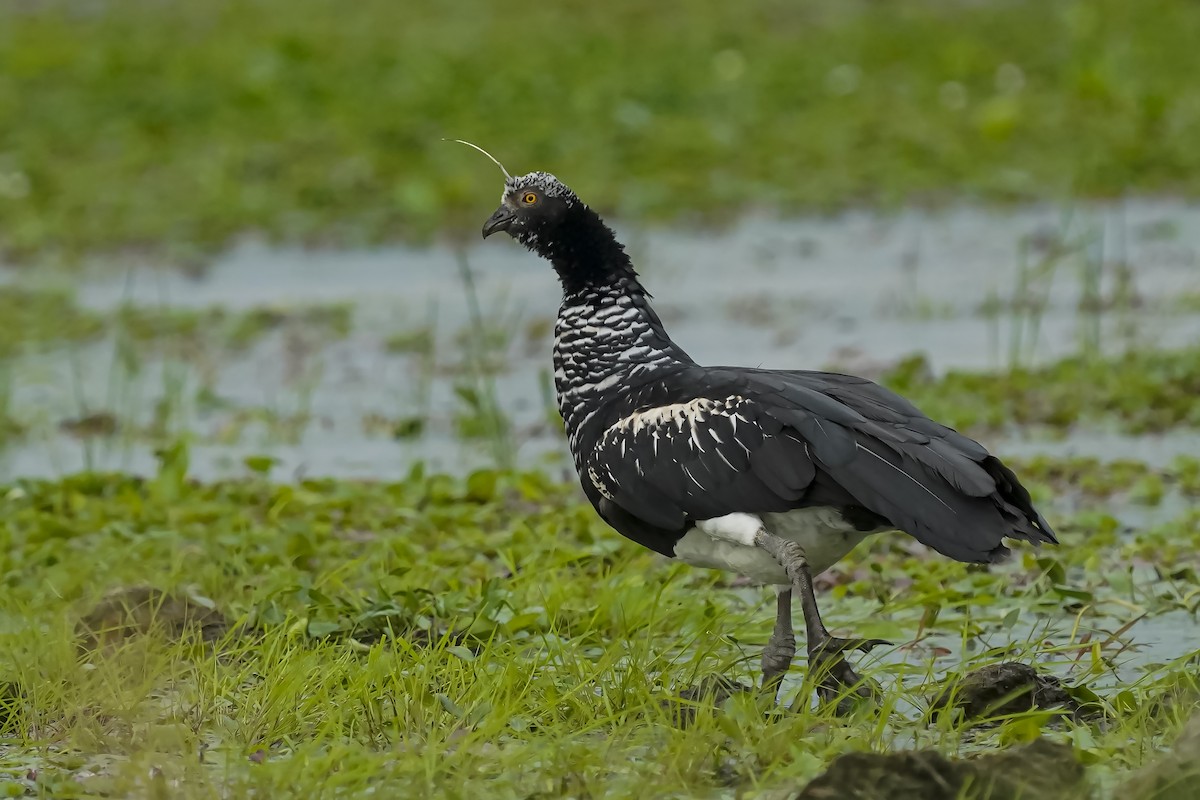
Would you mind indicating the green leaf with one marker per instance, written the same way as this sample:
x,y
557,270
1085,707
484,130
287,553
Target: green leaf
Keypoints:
x,y
462,652
451,707
1067,592
1010,619
260,465
481,485
1023,729
319,629
1052,569
478,713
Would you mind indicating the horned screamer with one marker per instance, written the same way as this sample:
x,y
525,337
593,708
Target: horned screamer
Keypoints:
x,y
772,474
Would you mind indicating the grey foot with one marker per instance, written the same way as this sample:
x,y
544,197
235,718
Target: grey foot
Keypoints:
x,y
781,649
776,661
836,680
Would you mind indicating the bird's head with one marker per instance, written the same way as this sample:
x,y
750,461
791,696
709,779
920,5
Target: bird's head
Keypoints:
x,y
532,208
540,212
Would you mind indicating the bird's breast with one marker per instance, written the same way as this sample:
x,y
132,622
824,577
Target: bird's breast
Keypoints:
x,y
592,377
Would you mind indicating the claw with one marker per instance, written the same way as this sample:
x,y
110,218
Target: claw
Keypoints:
x,y
837,684
834,645
836,679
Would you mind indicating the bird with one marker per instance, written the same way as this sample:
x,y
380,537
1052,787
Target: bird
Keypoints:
x,y
772,474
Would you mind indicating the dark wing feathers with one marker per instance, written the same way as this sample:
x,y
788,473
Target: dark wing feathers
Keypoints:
x,y
884,405
701,462
760,441
659,538
955,524
929,480
957,469
830,442
777,463
1016,496
648,503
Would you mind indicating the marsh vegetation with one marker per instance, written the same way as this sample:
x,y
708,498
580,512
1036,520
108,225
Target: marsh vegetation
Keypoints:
x,y
284,509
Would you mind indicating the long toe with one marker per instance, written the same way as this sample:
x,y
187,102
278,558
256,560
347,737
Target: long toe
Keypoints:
x,y
834,645
838,682
840,679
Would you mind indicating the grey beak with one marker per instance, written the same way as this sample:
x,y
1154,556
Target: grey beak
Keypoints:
x,y
499,221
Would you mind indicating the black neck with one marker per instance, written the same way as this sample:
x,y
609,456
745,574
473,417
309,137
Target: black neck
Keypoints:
x,y
604,319
586,254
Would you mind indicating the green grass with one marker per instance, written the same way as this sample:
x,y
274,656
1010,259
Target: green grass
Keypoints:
x,y
489,636
38,318
1093,478
177,126
1139,392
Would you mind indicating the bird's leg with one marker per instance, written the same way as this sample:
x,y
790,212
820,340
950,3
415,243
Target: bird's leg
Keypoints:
x,y
781,649
825,652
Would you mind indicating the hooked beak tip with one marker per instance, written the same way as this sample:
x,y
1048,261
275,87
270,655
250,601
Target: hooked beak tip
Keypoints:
x,y
499,221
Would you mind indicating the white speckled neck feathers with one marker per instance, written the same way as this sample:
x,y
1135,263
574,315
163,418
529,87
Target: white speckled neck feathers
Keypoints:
x,y
607,341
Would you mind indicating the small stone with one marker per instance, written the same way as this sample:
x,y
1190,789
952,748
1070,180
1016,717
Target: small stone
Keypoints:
x,y
134,610
1002,689
1042,769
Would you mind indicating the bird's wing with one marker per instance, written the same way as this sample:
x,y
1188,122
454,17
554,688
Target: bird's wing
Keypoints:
x,y
697,459
929,480
755,441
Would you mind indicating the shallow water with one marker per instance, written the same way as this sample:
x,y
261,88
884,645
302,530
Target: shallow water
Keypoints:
x,y
857,291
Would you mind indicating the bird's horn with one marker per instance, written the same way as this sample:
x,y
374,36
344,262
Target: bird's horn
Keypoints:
x,y
485,152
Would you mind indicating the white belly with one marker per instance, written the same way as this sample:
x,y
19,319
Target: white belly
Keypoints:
x,y
821,533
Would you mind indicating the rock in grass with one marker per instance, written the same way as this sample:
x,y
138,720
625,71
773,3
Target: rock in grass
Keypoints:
x,y
133,610
98,424
1175,776
1043,770
1002,689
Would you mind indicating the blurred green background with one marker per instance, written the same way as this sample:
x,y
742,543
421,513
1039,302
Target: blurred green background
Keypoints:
x,y
175,126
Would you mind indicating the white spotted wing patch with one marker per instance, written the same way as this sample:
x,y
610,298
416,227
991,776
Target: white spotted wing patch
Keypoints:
x,y
699,459
600,485
688,416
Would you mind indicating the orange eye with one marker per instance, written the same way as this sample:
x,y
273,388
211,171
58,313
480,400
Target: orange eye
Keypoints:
x,y
529,198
